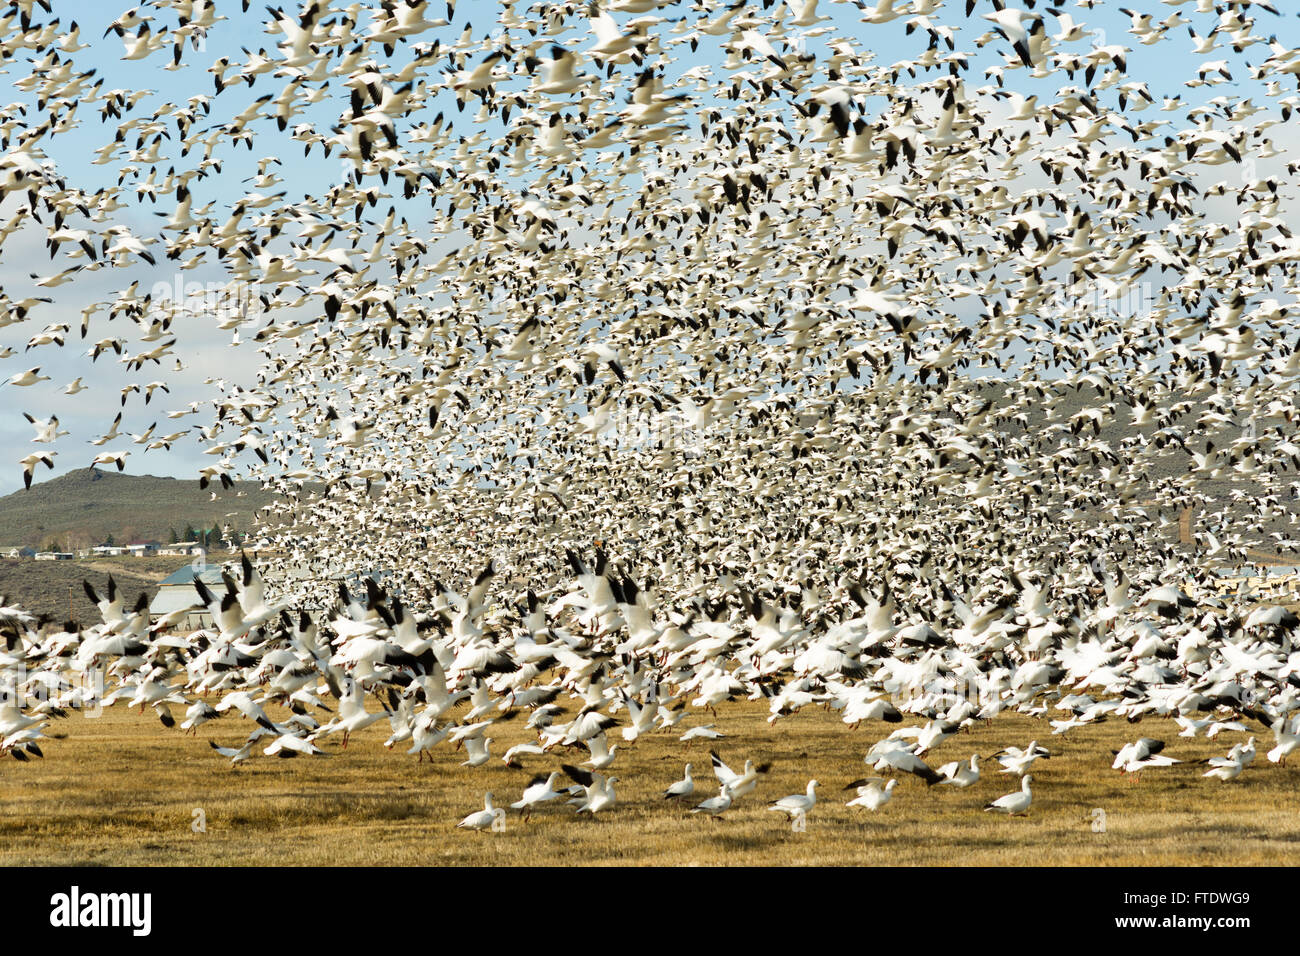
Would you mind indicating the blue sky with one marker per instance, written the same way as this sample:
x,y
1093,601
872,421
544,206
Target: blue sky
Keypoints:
x,y
204,349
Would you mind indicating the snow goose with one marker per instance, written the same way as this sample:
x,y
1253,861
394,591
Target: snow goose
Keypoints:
x,y
716,806
426,734
352,715
541,789
290,745
1018,761
237,755
198,713
601,799
900,757
643,720
739,784
476,748
1014,803
598,792
511,758
23,743
1225,768
705,732
1285,731
873,792
682,788
483,819
961,773
797,803
602,755
1138,756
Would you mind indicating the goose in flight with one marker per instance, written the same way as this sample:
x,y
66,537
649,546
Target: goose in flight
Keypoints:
x,y
1018,761
1144,752
738,784
541,789
873,792
29,463
961,773
597,790
1286,731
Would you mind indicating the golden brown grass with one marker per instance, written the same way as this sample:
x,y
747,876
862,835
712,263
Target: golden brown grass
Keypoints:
x,y
121,790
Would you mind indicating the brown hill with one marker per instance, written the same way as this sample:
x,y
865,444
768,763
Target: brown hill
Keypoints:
x,y
84,507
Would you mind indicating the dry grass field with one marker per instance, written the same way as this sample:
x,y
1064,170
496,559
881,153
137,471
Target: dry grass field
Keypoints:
x,y
54,588
122,790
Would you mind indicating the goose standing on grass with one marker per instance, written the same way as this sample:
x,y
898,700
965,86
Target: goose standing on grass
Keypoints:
x,y
682,788
716,806
482,820
1014,803
797,803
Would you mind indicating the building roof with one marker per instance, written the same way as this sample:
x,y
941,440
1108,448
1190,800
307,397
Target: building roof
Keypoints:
x,y
211,574
168,600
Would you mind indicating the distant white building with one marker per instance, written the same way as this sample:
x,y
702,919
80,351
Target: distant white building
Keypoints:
x,y
54,556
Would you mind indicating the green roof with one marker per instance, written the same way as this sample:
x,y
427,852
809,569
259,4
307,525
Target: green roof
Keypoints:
x,y
211,574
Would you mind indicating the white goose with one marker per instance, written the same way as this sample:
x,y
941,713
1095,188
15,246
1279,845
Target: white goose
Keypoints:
x,y
716,806
482,820
739,784
873,792
1142,753
682,788
541,789
961,773
1288,739
477,749
1018,761
1014,803
1224,768
797,803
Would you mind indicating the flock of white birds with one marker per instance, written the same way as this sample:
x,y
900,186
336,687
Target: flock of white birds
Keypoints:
x,y
642,356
